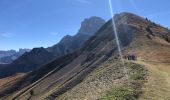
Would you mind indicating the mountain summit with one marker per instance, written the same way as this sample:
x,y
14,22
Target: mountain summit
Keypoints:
x,y
91,25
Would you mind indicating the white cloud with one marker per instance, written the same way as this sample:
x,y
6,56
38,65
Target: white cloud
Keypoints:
x,y
54,33
7,35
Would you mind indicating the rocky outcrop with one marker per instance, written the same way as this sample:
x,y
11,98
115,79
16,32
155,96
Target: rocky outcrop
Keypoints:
x,y
91,25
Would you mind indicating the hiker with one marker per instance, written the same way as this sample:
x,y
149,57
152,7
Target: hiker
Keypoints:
x,y
125,57
131,57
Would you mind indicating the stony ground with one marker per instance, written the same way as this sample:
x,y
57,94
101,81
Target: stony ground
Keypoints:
x,y
107,77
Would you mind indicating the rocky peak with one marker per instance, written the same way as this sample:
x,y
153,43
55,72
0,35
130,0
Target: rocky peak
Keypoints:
x,y
38,50
66,38
90,25
22,51
70,43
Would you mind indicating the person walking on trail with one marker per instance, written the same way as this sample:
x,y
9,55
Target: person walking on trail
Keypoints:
x,y
130,57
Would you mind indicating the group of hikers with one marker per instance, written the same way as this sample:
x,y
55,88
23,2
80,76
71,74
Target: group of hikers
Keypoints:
x,y
130,57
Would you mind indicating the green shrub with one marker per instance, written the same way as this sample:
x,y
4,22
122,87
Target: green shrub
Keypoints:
x,y
139,75
121,93
132,90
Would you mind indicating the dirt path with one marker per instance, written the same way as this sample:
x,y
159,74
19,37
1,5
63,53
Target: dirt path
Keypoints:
x,y
158,85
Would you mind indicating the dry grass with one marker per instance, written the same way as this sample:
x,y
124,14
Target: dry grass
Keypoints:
x,y
158,85
132,89
97,83
105,78
155,55
8,80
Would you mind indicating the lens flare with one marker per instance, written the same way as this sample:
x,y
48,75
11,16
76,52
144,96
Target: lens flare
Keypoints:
x,y
116,36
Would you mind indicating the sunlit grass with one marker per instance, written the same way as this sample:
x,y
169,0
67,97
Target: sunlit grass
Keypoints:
x,y
131,90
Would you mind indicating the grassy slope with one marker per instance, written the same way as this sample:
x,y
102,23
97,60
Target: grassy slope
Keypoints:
x,y
10,80
107,79
158,85
131,90
7,80
155,53
156,58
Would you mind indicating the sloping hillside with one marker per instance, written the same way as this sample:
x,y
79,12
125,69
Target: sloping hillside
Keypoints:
x,y
27,62
95,71
158,85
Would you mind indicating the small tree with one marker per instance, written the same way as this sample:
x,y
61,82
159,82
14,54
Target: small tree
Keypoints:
x,y
146,19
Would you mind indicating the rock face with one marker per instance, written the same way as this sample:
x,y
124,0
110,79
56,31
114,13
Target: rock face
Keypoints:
x,y
91,25
39,56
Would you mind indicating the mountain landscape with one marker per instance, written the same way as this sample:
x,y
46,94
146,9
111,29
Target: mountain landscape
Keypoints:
x,y
9,56
7,53
70,43
88,66
29,61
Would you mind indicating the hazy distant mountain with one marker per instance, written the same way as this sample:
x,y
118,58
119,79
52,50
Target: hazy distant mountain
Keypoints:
x,y
95,71
11,55
27,62
7,53
39,56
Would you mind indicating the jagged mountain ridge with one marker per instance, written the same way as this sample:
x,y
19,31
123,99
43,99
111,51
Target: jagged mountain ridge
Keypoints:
x,y
9,56
70,43
7,53
59,77
87,26
40,56
27,62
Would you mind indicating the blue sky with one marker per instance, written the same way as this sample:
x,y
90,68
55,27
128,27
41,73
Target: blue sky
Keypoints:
x,y
36,23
